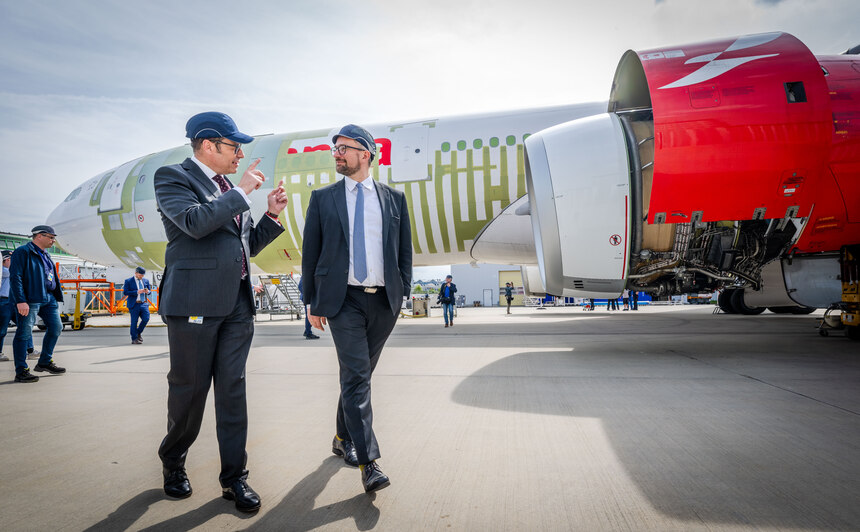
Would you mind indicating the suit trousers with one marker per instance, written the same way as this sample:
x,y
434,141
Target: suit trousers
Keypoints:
x,y
213,351
138,313
359,330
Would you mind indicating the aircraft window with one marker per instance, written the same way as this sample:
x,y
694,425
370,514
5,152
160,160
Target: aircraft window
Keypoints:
x,y
446,147
461,145
826,73
510,140
795,92
478,144
527,135
74,194
494,142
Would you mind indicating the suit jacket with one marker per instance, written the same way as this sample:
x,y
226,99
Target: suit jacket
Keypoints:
x,y
325,248
203,260
129,290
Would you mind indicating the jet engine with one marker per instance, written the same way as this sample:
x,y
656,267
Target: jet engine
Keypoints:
x,y
713,161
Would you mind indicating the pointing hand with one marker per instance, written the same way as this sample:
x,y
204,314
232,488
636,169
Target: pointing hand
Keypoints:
x,y
252,179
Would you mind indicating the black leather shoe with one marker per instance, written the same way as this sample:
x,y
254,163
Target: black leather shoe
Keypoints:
x,y
246,499
373,478
346,449
140,338
176,483
311,336
136,341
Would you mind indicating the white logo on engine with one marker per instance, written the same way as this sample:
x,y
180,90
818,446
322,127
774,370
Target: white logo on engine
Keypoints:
x,y
714,67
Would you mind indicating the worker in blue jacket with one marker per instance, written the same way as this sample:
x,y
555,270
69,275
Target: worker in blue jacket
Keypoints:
x,y
34,288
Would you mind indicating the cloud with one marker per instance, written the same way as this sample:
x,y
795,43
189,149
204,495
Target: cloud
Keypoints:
x,y
87,86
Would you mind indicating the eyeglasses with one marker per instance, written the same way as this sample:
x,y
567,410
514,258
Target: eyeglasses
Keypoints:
x,y
236,147
341,149
49,237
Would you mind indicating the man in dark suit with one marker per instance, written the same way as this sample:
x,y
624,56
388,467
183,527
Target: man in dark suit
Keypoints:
x,y
357,258
136,290
206,298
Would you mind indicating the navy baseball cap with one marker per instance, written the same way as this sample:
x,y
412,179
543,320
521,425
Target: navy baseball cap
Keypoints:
x,y
139,270
213,125
358,134
6,254
44,229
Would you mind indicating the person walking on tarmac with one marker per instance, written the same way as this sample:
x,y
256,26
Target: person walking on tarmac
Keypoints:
x,y
509,295
35,290
447,298
136,290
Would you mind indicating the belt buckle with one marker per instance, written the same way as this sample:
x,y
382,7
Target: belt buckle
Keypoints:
x,y
370,289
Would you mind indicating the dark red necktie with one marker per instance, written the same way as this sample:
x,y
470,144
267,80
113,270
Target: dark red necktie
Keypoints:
x,y
225,186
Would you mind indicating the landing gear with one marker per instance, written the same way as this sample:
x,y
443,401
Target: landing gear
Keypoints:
x,y
741,307
731,301
724,301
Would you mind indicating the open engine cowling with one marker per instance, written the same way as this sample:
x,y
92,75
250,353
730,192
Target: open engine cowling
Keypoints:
x,y
714,160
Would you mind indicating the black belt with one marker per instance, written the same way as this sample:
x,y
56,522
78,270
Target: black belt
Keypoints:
x,y
367,289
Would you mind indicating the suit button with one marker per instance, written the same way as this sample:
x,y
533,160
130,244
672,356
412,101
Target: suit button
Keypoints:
x,y
237,260
346,271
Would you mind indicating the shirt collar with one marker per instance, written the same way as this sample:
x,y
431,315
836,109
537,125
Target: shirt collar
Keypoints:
x,y
351,183
37,249
210,173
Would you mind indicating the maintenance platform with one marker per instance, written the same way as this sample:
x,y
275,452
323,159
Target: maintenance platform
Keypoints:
x,y
663,419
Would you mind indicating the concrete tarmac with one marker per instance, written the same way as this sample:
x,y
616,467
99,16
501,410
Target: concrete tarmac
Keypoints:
x,y
669,418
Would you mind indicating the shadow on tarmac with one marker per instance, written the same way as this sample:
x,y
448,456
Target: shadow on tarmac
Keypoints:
x,y
703,440
296,510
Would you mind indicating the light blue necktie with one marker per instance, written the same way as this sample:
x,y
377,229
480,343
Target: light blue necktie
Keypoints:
x,y
359,255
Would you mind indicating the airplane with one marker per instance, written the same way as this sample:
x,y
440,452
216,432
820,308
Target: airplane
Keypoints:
x,y
729,165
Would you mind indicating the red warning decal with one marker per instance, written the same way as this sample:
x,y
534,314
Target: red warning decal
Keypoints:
x,y
615,240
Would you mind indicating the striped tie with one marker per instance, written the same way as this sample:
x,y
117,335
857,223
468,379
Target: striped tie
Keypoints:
x,y
359,255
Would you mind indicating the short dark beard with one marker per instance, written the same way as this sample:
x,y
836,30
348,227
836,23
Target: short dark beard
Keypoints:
x,y
347,170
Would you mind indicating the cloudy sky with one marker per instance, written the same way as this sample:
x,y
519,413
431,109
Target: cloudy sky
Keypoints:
x,y
88,85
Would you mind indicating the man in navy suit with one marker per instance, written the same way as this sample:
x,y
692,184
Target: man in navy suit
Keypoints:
x,y
206,299
357,259
136,290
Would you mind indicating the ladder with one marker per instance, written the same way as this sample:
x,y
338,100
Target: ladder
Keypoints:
x,y
281,295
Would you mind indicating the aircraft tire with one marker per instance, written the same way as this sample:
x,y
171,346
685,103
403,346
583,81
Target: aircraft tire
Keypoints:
x,y
740,307
724,300
780,310
802,310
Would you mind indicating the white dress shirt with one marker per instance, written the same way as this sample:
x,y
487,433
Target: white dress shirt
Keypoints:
x,y
372,231
210,173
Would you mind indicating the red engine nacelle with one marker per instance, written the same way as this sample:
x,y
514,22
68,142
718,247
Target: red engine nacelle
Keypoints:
x,y
742,152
